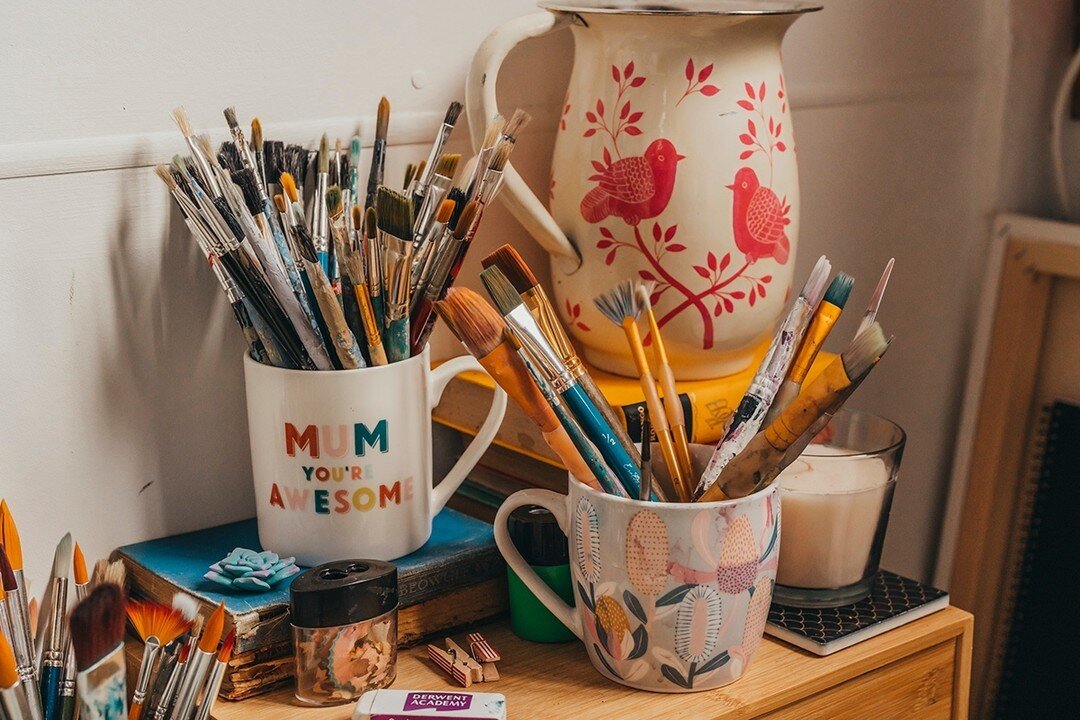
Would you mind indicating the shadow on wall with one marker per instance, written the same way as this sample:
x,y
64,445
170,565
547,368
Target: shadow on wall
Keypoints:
x,y
171,376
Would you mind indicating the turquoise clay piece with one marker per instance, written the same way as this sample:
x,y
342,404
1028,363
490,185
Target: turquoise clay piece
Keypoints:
x,y
252,571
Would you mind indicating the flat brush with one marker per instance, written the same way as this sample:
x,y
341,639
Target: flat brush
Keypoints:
x,y
551,366
476,166
424,178
673,408
56,639
483,332
750,414
514,267
438,187
97,634
620,306
199,663
354,263
373,266
762,456
825,317
14,581
378,153
157,625
243,150
14,703
437,234
217,674
395,221
207,176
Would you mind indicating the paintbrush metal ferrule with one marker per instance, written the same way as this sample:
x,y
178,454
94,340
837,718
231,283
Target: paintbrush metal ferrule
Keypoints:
x,y
423,182
440,186
489,186
213,687
191,684
151,653
320,223
15,704
203,166
535,343
55,648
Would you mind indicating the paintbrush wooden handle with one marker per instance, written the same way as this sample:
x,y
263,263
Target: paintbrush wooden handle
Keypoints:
x,y
663,435
673,408
345,346
559,441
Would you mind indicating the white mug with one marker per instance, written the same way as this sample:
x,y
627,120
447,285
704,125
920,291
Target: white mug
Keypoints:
x,y
342,459
670,597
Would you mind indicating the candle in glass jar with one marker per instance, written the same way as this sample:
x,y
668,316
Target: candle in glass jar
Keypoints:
x,y
832,501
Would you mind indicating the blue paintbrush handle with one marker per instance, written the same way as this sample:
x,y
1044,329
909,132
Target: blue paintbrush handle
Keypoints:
x,y
324,260
596,428
587,452
51,677
396,340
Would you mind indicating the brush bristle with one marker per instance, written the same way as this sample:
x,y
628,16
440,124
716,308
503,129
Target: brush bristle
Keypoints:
x,y
501,155
230,117
472,320
333,200
154,620
619,303
185,653
279,203
500,289
228,157
249,188
382,120
7,574
296,162
354,151
643,293
516,124
371,222
256,133
452,113
324,155
207,148
9,536
97,625
215,625
9,671
357,217
816,283
410,173
493,131
445,211
227,647
395,213
864,351
466,219
62,557
839,290
447,164
513,266
273,160
109,573
78,564
180,116
166,176
288,185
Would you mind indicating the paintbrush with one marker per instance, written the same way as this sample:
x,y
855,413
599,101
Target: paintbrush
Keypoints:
x,y
341,337
749,415
620,306
445,269
14,698
217,674
373,266
438,187
354,266
108,573
646,453
56,639
342,236
157,625
515,269
555,372
424,178
198,666
354,173
764,454
320,226
424,264
825,316
259,150
22,641
81,580
334,208
395,222
410,174
243,150
475,168
174,658
673,408
97,634
378,153
875,300
483,332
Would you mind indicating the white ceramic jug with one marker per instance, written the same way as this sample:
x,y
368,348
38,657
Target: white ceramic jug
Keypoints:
x,y
674,164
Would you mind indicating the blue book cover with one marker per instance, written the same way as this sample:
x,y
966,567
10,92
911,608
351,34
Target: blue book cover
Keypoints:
x,y
460,552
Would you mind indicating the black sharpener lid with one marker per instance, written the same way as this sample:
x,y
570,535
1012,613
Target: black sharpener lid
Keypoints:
x,y
537,536
343,592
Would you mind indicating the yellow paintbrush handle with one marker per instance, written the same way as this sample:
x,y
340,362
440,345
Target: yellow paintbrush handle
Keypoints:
x,y
675,417
371,328
563,446
811,404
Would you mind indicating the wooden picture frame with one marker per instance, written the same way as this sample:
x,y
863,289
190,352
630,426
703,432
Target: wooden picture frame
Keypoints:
x,y
985,524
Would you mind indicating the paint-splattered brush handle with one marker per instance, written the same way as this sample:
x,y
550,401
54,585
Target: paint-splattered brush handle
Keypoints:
x,y
396,339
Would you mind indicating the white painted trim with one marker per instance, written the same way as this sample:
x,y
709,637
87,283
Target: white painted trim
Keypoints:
x,y
117,152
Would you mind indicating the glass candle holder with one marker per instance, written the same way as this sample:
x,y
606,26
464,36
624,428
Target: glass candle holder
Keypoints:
x,y
835,501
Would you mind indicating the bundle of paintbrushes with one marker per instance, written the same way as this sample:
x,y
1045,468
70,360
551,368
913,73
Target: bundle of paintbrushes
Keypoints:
x,y
77,667
524,347
320,272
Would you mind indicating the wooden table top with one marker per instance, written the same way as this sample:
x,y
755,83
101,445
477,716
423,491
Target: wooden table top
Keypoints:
x,y
558,681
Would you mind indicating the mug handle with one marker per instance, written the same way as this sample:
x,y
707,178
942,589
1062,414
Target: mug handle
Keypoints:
x,y
481,106
440,378
556,504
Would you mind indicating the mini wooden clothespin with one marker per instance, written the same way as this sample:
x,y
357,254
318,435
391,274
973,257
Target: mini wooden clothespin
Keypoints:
x,y
459,655
486,655
450,665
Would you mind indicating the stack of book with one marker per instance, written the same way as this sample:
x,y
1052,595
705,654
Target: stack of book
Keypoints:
x,y
457,578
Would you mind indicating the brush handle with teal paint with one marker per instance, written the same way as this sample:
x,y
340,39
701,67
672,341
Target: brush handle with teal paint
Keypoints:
x,y
292,272
598,430
378,308
324,333
51,677
396,339
587,451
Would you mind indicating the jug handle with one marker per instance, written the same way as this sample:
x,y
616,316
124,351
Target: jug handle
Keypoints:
x,y
481,106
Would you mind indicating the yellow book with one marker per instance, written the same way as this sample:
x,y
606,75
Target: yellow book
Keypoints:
x,y
707,405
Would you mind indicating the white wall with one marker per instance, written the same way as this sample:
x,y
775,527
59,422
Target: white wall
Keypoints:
x,y
123,416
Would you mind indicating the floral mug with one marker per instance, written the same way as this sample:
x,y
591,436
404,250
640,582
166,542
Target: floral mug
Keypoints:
x,y
670,597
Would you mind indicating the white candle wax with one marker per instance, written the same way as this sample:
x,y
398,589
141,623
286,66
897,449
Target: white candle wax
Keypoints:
x,y
831,507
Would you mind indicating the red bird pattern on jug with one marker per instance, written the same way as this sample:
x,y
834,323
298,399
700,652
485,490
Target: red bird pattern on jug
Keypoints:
x,y
634,188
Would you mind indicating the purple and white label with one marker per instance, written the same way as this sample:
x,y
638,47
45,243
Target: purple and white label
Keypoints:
x,y
437,701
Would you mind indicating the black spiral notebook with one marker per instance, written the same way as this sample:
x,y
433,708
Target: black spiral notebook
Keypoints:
x,y
894,601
